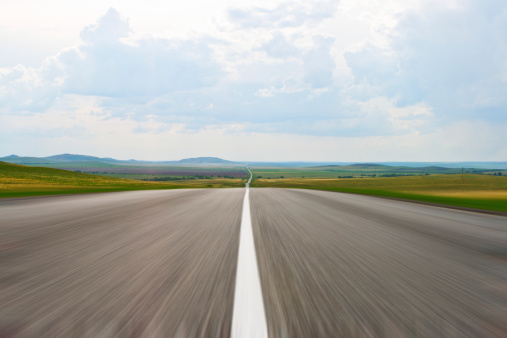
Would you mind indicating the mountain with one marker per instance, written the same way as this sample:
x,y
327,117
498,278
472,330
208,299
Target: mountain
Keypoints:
x,y
62,159
25,160
202,160
367,165
358,166
56,159
79,158
467,164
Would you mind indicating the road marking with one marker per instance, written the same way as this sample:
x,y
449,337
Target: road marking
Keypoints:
x,y
248,319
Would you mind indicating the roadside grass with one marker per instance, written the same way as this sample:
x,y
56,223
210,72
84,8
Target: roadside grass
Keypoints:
x,y
476,191
149,177
18,180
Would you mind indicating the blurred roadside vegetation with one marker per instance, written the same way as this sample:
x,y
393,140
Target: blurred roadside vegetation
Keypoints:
x,y
18,180
476,191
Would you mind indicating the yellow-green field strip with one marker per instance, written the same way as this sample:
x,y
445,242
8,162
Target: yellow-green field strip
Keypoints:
x,y
18,181
470,191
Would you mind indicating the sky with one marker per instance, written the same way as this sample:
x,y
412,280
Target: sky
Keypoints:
x,y
344,80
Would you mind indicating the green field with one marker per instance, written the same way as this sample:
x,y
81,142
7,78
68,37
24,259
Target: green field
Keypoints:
x,y
151,172
18,180
361,170
475,191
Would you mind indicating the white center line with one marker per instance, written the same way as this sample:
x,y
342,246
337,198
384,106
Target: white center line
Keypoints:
x,y
249,319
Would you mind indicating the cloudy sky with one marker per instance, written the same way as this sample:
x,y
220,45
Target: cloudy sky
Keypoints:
x,y
343,80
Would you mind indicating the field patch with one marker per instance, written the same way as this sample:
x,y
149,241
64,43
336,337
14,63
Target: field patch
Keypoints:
x,y
471,191
160,171
18,180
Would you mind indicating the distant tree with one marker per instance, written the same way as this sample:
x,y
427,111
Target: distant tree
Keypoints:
x,y
499,173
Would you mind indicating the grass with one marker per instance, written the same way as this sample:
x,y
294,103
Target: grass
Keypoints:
x,y
151,172
476,191
18,180
358,170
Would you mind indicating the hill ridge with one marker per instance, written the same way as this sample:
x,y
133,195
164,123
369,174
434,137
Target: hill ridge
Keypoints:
x,y
66,157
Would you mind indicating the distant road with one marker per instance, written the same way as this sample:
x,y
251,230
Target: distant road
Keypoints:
x,y
249,178
163,263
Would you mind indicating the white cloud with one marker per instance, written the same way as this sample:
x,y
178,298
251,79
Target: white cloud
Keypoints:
x,y
447,55
318,64
266,92
105,66
87,129
279,47
286,14
110,28
375,73
25,89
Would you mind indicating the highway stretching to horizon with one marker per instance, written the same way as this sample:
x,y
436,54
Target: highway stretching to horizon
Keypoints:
x,y
165,263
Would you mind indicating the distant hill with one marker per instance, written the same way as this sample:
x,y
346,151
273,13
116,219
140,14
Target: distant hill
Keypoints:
x,y
467,164
25,160
55,159
367,165
80,158
355,166
203,160
64,159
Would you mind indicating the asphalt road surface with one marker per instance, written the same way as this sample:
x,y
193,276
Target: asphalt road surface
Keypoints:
x,y
355,266
130,264
163,263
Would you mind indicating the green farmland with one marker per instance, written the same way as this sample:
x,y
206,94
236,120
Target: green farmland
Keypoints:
x,y
18,180
431,184
360,170
472,190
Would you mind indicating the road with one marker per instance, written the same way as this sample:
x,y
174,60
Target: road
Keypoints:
x,y
163,263
346,265
157,263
